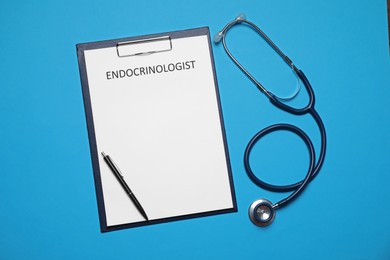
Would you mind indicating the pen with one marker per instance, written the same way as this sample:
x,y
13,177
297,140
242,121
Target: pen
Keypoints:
x,y
120,178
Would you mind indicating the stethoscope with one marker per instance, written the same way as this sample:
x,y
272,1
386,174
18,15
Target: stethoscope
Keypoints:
x,y
262,212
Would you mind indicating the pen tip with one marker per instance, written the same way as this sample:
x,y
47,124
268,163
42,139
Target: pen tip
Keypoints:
x,y
104,155
144,215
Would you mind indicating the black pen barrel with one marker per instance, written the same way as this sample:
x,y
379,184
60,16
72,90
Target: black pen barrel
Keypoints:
x,y
123,183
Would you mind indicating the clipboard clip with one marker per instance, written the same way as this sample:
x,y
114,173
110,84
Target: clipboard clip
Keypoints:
x,y
144,46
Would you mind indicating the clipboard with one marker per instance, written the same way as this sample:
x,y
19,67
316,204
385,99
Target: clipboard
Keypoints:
x,y
152,104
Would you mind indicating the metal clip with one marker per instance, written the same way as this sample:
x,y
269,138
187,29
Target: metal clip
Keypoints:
x,y
144,46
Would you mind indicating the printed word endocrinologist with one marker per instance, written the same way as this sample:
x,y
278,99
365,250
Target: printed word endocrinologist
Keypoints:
x,y
147,70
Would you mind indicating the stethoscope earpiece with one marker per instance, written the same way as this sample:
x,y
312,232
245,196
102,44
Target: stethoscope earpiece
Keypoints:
x,y
262,212
241,16
218,37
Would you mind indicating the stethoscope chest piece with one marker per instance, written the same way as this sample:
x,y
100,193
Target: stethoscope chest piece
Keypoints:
x,y
262,213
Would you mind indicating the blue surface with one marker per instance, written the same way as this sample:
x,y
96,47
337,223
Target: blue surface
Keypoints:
x,y
48,206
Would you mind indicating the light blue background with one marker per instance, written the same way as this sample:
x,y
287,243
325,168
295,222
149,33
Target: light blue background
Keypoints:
x,y
48,207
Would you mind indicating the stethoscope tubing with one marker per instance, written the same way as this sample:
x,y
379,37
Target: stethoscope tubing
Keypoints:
x,y
314,167
296,187
309,109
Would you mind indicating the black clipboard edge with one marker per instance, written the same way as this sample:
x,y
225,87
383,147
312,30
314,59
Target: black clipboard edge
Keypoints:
x,y
170,219
81,47
91,137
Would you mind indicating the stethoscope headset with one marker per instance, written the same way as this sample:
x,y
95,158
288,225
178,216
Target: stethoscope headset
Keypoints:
x,y
262,212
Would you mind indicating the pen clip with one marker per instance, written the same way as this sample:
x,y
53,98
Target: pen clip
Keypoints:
x,y
117,168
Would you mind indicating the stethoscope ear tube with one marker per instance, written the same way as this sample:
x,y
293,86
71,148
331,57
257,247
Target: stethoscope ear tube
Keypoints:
x,y
297,111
